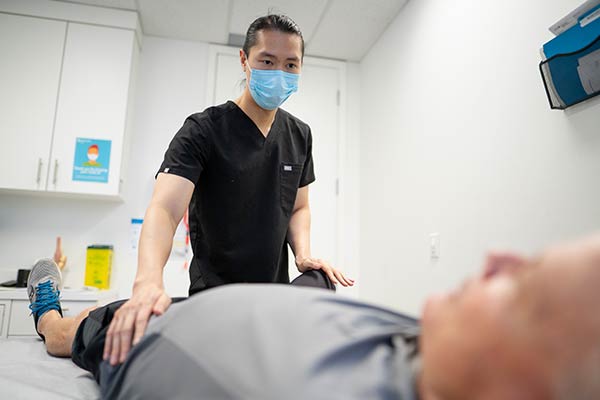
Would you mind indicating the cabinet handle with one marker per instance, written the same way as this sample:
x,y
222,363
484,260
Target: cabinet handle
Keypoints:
x,y
55,172
39,171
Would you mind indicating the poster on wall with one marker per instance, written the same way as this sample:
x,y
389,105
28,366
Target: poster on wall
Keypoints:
x,y
92,160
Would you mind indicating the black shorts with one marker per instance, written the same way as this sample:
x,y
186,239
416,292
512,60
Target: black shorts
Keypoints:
x,y
88,344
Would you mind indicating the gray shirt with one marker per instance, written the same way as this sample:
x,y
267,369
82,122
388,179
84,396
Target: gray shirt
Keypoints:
x,y
271,341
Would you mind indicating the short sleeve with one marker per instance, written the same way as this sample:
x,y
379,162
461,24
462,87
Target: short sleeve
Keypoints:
x,y
308,171
188,152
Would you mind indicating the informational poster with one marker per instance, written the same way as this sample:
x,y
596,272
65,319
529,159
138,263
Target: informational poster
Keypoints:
x,y
92,160
136,230
181,250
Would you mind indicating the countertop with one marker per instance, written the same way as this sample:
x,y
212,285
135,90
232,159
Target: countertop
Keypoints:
x,y
81,294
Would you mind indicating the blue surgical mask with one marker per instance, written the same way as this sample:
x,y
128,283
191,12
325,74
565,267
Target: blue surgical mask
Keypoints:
x,y
271,87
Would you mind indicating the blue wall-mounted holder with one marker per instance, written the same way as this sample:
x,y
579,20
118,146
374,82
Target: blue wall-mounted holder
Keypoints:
x,y
571,66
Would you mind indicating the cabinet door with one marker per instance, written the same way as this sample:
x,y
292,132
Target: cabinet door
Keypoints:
x,y
20,320
4,307
31,51
92,108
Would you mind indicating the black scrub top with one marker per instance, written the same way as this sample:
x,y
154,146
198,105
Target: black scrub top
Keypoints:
x,y
245,189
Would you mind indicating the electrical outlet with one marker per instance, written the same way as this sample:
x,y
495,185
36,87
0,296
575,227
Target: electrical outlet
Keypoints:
x,y
434,246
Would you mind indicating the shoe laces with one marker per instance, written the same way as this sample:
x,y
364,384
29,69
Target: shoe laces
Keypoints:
x,y
46,299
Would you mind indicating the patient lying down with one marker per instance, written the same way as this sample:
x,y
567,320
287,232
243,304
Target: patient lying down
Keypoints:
x,y
523,329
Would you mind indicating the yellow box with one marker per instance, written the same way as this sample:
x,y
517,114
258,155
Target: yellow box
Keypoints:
x,y
98,263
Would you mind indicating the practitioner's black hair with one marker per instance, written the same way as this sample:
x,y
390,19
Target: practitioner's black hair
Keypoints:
x,y
271,22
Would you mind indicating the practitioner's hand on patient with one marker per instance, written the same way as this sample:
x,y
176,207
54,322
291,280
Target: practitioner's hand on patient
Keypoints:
x,y
131,319
335,275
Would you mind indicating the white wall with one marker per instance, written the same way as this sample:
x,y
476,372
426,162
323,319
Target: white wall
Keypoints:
x,y
457,137
170,85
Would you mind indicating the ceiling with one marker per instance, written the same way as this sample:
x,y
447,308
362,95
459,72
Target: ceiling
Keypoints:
x,y
340,29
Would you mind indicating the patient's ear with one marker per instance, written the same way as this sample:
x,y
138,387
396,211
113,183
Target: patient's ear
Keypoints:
x,y
502,262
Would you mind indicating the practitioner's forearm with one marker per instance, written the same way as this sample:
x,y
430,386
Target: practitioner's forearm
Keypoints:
x,y
156,241
299,233
299,238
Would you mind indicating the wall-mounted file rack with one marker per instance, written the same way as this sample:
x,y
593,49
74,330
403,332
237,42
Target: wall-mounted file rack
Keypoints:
x,y
571,66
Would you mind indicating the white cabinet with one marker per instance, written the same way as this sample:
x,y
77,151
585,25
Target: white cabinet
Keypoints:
x,y
66,89
4,307
31,50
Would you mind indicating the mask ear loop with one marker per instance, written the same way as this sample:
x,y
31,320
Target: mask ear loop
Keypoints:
x,y
246,81
243,83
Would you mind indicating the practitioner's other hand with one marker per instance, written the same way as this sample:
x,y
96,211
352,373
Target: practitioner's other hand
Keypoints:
x,y
335,275
131,319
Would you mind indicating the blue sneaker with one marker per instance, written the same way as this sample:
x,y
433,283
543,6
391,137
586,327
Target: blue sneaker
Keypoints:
x,y
43,288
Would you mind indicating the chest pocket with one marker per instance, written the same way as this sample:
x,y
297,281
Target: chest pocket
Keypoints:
x,y
290,174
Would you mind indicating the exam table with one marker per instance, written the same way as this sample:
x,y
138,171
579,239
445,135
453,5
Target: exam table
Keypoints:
x,y
27,371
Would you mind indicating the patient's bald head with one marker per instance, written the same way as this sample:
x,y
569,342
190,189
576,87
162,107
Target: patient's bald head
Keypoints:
x,y
524,329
